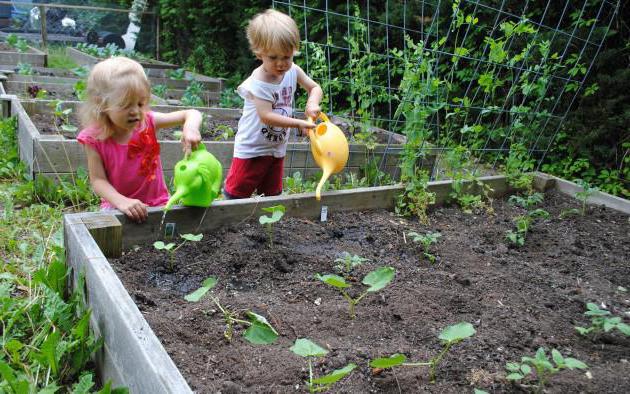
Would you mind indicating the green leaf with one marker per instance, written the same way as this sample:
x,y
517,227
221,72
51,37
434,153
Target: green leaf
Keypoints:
x,y
20,386
582,330
479,391
275,208
260,332
624,328
457,332
526,369
335,375
513,367
388,362
192,237
573,363
306,348
557,357
207,284
379,278
333,280
86,382
50,389
49,351
159,245
514,376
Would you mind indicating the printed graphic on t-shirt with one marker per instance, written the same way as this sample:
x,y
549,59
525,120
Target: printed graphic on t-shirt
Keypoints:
x,y
281,102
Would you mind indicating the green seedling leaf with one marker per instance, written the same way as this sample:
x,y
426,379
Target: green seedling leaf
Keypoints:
x,y
159,245
557,357
207,284
260,332
335,375
457,332
479,391
192,237
388,362
593,310
306,348
333,280
513,367
573,363
379,279
514,376
277,212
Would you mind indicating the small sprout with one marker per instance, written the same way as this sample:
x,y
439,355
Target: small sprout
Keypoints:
x,y
450,336
80,89
277,212
259,330
171,249
308,349
224,132
542,367
602,320
376,280
583,196
347,262
426,240
523,224
526,202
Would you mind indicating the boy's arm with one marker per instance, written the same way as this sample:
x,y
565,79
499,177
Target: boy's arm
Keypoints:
x,y
136,210
191,121
267,116
315,93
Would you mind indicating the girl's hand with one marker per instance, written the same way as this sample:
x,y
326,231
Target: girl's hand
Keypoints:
x,y
312,110
190,139
135,210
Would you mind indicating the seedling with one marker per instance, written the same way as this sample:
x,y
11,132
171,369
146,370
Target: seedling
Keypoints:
x,y
37,92
25,69
159,90
523,223
259,331
192,95
376,280
171,248
277,212
426,240
224,132
450,336
62,117
309,350
526,202
80,88
543,369
602,320
17,42
347,262
586,192
178,74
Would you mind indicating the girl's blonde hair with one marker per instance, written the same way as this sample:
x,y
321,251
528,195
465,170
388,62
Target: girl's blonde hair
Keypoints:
x,y
112,83
273,30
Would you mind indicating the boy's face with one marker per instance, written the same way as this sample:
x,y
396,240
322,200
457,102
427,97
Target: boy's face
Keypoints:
x,y
276,63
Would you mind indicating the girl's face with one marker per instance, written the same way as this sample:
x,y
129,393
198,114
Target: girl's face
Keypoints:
x,y
128,114
276,62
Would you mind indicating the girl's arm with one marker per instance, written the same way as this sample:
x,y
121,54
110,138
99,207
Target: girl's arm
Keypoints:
x,y
315,93
135,209
191,121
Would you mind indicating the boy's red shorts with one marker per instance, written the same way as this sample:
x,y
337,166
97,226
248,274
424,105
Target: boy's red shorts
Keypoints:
x,y
262,174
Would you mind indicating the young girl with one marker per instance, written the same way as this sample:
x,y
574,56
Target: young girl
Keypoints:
x,y
120,141
263,130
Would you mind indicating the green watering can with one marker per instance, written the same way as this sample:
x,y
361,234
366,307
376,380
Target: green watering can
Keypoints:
x,y
197,179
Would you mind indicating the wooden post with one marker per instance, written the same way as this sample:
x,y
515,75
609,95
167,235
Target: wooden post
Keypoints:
x,y
106,230
42,16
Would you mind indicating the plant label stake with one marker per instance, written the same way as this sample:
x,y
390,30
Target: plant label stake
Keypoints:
x,y
169,230
324,214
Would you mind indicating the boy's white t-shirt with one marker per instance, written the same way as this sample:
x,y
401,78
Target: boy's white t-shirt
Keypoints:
x,y
254,138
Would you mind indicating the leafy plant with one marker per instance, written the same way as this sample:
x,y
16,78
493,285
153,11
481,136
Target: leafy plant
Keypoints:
x,y
159,90
80,89
518,167
192,95
259,331
426,240
416,197
170,247
583,196
527,201
224,132
523,224
309,350
376,280
541,367
450,336
37,92
17,42
347,262
25,69
277,212
62,115
178,74
602,320
230,99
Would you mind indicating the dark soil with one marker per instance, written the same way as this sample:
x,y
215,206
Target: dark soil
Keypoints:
x,y
518,299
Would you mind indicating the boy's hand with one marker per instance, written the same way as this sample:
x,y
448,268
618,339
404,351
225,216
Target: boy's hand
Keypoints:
x,y
135,210
304,126
190,140
312,110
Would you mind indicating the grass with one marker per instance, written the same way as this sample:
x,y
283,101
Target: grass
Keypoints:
x,y
57,58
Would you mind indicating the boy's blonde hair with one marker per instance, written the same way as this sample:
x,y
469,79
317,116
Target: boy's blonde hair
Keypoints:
x,y
112,83
273,30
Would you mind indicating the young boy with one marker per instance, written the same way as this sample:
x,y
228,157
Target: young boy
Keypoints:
x,y
263,131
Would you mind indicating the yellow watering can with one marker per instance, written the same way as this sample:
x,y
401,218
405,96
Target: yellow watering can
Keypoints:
x,y
330,149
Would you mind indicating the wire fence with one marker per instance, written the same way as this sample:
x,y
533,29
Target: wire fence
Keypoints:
x,y
464,81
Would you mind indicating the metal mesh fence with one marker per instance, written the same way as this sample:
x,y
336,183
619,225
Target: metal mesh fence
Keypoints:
x,y
465,81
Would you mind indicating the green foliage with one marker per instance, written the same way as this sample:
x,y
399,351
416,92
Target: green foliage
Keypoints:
x,y
583,195
602,320
192,95
108,51
17,42
277,212
527,201
171,247
518,167
523,224
376,280
426,240
230,99
416,198
11,168
541,367
308,349
25,69
159,90
450,336
177,74
347,262
224,133
259,331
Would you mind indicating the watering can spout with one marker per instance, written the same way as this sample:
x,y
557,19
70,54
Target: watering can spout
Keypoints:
x,y
318,190
179,193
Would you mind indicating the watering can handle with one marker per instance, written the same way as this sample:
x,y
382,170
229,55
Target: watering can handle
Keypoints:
x,y
322,116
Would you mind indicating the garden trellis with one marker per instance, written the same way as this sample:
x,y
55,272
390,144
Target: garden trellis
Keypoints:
x,y
465,81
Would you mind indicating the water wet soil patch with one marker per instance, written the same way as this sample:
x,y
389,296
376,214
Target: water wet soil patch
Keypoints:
x,y
518,299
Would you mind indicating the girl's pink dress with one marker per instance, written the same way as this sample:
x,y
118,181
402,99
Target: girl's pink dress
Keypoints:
x,y
135,168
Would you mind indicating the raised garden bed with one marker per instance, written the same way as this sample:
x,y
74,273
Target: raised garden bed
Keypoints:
x,y
85,59
11,56
518,299
53,154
